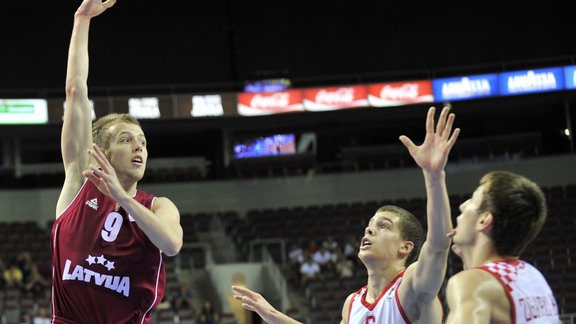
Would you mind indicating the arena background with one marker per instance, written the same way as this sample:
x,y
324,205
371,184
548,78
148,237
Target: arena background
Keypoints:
x,y
145,48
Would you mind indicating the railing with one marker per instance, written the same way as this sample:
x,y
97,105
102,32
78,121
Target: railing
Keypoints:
x,y
568,318
277,277
185,258
199,163
263,244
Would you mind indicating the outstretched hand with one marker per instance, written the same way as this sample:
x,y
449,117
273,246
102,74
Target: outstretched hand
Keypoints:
x,y
92,8
253,301
103,174
432,154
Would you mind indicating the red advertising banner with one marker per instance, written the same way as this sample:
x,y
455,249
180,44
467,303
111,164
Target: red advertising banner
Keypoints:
x,y
267,103
400,93
333,98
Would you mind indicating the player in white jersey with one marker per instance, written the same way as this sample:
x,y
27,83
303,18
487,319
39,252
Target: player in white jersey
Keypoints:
x,y
506,212
385,309
399,289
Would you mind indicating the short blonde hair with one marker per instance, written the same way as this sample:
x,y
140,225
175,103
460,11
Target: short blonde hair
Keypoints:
x,y
100,134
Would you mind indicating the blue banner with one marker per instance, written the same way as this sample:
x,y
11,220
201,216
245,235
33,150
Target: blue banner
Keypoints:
x,y
465,88
570,76
531,81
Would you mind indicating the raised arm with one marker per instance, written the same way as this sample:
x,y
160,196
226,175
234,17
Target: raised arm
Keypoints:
x,y
425,277
77,126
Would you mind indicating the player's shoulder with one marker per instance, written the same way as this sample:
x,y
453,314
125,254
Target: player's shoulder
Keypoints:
x,y
346,307
475,282
162,202
471,276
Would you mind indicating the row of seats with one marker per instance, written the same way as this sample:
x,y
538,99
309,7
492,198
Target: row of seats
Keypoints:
x,y
553,251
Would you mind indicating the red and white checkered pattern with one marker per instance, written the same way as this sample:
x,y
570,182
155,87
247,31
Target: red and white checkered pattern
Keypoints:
x,y
507,272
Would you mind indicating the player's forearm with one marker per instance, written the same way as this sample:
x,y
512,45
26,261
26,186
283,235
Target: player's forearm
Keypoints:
x,y
164,235
276,317
438,211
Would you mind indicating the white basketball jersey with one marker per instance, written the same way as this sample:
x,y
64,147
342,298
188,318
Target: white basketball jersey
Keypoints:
x,y
386,309
530,296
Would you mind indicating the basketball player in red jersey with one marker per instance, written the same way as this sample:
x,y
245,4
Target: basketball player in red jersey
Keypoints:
x,y
506,212
399,290
109,236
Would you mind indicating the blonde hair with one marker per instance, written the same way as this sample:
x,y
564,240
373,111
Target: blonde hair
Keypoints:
x,y
100,134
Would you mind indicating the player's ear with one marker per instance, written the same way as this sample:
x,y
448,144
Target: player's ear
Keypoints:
x,y
485,221
406,248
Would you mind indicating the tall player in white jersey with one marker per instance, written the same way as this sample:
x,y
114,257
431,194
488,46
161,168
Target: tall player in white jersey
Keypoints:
x,y
506,212
399,290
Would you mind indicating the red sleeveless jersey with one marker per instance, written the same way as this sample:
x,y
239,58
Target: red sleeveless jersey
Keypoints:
x,y
104,268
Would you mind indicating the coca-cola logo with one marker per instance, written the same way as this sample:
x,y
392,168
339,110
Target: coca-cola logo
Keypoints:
x,y
407,91
340,96
271,101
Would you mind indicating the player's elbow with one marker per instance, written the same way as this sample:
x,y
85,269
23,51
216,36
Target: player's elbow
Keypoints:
x,y
173,247
75,89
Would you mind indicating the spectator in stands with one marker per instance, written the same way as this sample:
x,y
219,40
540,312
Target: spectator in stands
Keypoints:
x,y
106,227
182,298
330,244
295,254
295,260
323,257
344,267
41,316
25,317
404,277
351,247
34,282
505,213
2,269
313,247
309,270
12,275
208,314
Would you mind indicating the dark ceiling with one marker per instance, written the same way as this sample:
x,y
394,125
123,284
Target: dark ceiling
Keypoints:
x,y
215,44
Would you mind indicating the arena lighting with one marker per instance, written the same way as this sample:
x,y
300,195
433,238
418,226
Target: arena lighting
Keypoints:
x,y
23,111
207,105
268,85
144,108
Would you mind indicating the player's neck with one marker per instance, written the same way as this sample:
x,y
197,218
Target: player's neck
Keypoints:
x,y
129,185
480,254
379,279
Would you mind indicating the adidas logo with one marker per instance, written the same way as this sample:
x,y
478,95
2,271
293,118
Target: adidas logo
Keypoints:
x,y
92,203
